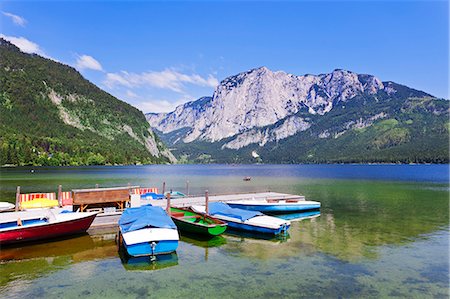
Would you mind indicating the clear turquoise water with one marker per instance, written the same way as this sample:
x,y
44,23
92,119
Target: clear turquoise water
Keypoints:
x,y
383,231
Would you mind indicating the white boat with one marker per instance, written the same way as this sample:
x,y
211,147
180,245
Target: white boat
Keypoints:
x,y
273,206
6,206
147,231
249,221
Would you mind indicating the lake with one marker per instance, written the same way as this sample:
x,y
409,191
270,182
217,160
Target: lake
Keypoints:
x,y
383,231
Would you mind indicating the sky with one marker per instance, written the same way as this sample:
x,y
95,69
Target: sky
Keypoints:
x,y
157,55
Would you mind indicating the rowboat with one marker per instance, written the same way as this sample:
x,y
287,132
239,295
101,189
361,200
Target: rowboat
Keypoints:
x,y
147,230
244,220
190,221
274,206
6,206
176,194
41,224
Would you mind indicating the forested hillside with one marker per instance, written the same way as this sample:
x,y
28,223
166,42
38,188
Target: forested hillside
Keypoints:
x,y
51,115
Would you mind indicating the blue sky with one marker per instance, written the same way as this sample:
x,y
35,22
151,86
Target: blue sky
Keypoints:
x,y
156,55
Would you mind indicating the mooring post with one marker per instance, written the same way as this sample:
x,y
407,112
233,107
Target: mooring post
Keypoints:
x,y
206,202
60,195
17,198
187,187
168,204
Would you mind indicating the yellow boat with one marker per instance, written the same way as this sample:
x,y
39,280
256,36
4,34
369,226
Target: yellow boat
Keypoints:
x,y
39,203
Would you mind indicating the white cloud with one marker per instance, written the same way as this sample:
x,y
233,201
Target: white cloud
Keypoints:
x,y
158,106
18,20
113,79
166,79
88,62
131,94
24,44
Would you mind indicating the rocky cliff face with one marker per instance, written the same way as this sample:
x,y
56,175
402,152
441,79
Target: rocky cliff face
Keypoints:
x,y
259,106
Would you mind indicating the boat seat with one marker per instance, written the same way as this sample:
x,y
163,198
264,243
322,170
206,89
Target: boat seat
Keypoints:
x,y
192,217
177,214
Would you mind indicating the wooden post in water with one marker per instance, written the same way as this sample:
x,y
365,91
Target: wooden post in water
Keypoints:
x,y
60,195
17,198
168,204
164,188
187,187
206,202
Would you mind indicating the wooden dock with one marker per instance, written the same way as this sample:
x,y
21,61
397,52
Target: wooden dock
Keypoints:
x,y
111,219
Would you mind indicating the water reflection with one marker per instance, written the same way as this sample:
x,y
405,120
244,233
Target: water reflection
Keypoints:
x,y
372,236
36,259
197,240
245,235
299,216
147,263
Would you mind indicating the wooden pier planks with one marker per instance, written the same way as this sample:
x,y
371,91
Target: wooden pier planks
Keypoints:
x,y
101,196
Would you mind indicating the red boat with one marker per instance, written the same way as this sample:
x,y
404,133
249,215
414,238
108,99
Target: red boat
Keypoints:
x,y
34,225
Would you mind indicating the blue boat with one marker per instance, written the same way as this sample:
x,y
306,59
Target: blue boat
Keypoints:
x,y
276,206
152,195
250,221
147,230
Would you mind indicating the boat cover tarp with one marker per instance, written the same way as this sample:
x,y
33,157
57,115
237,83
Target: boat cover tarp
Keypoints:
x,y
146,216
225,210
152,195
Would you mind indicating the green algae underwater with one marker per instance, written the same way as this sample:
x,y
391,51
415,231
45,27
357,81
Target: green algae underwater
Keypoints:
x,y
383,231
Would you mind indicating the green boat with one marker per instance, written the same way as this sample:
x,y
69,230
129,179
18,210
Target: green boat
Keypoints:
x,y
196,223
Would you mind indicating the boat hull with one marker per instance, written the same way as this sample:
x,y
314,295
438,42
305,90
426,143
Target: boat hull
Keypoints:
x,y
199,229
276,208
46,230
146,248
257,229
149,241
196,223
6,206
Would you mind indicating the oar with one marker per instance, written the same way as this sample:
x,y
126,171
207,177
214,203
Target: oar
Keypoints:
x,y
206,204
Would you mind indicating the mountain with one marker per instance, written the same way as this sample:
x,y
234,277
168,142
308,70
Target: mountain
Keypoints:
x,y
337,117
51,115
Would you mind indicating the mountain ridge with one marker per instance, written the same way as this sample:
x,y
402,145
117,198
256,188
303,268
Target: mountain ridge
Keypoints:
x,y
257,108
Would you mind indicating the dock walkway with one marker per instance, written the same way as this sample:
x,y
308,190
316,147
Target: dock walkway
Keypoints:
x,y
112,219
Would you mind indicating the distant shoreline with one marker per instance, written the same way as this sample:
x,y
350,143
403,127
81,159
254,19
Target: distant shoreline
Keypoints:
x,y
237,164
